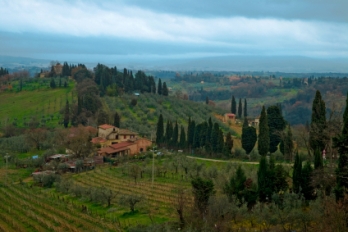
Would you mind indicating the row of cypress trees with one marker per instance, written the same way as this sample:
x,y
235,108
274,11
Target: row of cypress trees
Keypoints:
x,y
241,111
206,137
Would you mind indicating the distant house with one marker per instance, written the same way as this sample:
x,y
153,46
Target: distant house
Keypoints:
x,y
229,118
254,122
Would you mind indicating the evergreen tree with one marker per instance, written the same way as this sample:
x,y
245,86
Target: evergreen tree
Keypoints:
x,y
208,148
318,159
249,137
53,84
191,133
236,186
341,143
296,174
117,120
220,147
65,84
103,117
202,191
276,124
214,138
206,100
318,124
306,187
165,89
263,140
203,134
60,82
175,135
160,130
182,138
197,136
66,115
159,87
233,106
240,108
271,177
228,145
169,132
245,108
262,181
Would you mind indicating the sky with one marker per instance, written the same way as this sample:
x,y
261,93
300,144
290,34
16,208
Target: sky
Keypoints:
x,y
135,31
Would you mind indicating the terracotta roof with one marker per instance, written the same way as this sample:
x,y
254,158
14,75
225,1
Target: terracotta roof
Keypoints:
x,y
121,145
126,132
98,140
106,126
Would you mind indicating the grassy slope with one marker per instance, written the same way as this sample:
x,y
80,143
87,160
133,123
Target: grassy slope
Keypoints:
x,y
26,104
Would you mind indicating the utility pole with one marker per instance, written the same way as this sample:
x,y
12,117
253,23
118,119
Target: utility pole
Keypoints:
x,y
6,167
153,166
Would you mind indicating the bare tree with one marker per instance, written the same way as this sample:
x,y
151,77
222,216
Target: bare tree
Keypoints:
x,y
180,201
36,137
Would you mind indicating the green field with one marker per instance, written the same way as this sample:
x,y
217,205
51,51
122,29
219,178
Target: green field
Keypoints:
x,y
44,104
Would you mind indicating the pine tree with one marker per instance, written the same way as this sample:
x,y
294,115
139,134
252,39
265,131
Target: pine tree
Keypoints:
x,y
233,106
240,108
182,138
249,137
276,124
263,140
117,120
202,191
318,124
341,143
296,174
160,130
245,108
236,186
228,145
165,89
262,181
66,115
159,87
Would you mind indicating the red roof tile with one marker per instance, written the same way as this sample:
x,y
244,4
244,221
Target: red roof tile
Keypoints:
x,y
98,140
106,126
121,145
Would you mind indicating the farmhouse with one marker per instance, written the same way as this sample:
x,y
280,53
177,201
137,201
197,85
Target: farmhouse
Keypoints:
x,y
115,142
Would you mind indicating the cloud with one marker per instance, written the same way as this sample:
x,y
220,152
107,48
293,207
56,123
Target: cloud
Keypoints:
x,y
189,27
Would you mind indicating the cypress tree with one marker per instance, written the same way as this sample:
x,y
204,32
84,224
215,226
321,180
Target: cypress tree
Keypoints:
x,y
208,135
245,108
318,159
160,130
221,142
197,136
341,143
206,100
191,132
233,106
276,124
263,140
262,181
306,187
296,174
318,123
214,138
117,120
182,138
240,108
249,137
165,89
175,135
169,132
66,115
159,87
228,144
203,136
